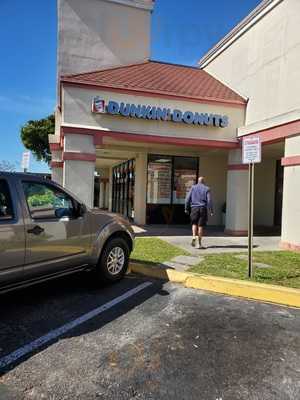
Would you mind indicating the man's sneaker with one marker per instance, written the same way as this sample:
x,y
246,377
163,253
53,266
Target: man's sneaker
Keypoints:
x,y
193,242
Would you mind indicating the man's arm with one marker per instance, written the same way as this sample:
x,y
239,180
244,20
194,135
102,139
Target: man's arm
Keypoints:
x,y
188,201
209,202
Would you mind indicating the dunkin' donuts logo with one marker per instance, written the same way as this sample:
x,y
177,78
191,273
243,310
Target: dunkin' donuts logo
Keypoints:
x,y
158,113
98,105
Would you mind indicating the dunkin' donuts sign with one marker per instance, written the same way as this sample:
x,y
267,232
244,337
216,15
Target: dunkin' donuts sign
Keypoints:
x,y
158,113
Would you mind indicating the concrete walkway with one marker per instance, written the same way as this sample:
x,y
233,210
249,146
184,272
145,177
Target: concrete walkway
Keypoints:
x,y
214,242
224,244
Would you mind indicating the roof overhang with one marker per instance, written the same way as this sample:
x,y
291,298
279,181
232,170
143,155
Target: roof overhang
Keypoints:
x,y
257,14
153,93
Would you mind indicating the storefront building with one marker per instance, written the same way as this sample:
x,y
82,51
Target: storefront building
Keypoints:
x,y
148,129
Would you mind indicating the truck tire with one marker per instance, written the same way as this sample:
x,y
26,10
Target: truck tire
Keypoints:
x,y
114,260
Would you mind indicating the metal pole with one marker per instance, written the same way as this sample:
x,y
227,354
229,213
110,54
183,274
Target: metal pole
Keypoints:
x,y
250,220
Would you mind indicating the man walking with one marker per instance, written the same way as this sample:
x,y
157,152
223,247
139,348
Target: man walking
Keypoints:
x,y
198,202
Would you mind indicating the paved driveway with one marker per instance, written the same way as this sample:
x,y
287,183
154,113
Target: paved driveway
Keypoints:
x,y
142,339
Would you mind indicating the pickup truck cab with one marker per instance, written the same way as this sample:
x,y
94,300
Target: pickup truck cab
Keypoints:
x,y
46,232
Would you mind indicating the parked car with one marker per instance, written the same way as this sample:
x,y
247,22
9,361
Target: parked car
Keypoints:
x,y
46,232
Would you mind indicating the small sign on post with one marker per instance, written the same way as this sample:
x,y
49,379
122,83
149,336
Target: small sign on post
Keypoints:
x,y
25,161
251,155
251,150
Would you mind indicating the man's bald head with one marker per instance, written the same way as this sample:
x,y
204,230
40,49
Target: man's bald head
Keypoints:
x,y
201,179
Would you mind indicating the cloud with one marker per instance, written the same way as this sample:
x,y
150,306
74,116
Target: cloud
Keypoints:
x,y
25,105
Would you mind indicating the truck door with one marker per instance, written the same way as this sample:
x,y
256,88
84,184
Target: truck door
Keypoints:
x,y
12,238
56,238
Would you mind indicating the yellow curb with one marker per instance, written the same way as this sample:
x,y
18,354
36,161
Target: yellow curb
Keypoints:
x,y
233,287
159,273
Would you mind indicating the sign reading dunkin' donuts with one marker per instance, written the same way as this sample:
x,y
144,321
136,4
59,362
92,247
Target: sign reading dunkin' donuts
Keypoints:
x,y
158,113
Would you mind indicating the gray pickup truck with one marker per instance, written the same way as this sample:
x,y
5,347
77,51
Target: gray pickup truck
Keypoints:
x,y
45,232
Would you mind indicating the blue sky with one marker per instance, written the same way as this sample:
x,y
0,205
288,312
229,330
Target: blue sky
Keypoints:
x,y
180,34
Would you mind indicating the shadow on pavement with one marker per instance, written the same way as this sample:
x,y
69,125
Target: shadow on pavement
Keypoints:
x,y
185,230
30,313
231,246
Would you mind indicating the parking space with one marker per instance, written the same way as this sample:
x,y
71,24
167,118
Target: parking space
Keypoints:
x,y
144,339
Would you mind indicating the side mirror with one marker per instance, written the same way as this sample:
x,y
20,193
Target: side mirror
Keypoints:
x,y
81,209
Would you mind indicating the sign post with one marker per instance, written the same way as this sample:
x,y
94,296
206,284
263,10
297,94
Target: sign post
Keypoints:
x,y
25,161
251,156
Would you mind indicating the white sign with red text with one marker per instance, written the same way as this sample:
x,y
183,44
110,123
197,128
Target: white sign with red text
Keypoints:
x,y
251,150
25,160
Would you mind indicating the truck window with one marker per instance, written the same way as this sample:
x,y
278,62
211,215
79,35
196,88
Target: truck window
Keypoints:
x,y
6,208
46,201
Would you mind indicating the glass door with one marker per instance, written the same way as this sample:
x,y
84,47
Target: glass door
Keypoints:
x,y
123,189
169,180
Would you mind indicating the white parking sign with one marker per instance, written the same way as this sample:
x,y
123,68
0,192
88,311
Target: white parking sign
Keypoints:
x,y
251,150
25,160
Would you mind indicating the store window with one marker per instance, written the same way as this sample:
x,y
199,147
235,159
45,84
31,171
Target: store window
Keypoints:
x,y
185,175
159,180
169,180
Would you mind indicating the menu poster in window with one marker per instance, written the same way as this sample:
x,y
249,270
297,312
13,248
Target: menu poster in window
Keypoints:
x,y
159,183
183,181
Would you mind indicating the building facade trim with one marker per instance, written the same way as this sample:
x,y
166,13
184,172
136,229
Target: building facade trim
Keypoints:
x,y
55,147
233,232
56,164
290,161
269,123
277,133
76,156
237,167
290,246
99,134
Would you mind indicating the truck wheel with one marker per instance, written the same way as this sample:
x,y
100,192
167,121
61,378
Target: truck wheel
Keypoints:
x,y
114,260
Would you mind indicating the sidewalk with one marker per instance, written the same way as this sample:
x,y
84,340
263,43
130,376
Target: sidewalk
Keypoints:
x,y
215,240
224,244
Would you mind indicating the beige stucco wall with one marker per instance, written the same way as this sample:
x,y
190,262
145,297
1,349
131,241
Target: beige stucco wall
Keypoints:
x,y
79,143
97,33
264,199
140,188
77,104
264,64
237,195
291,195
79,179
57,175
292,146
78,176
214,169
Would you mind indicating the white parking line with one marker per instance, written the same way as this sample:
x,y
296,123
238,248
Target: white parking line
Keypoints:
x,y
55,333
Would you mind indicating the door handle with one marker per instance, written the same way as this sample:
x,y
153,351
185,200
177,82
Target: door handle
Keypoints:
x,y
37,230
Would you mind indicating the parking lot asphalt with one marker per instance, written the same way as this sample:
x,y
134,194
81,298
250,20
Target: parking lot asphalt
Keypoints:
x,y
144,339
